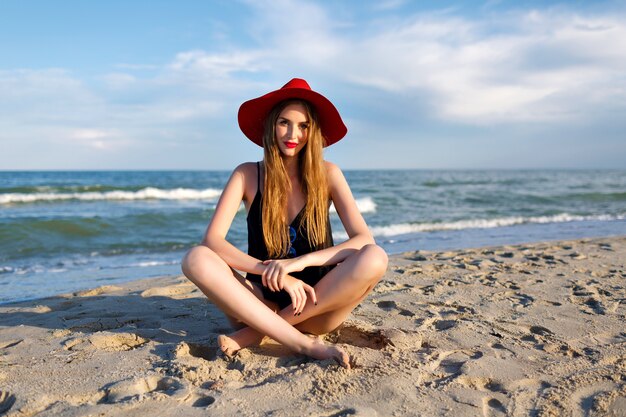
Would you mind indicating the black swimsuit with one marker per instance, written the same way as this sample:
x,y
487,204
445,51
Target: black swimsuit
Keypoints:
x,y
299,246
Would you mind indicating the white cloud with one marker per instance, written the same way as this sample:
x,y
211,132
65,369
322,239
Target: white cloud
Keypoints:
x,y
296,34
388,4
41,95
477,76
119,81
540,65
88,134
214,65
99,139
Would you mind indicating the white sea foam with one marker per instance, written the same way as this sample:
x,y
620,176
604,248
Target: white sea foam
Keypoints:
x,y
365,205
149,193
405,228
154,263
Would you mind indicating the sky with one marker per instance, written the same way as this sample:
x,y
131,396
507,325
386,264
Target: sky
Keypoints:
x,y
151,84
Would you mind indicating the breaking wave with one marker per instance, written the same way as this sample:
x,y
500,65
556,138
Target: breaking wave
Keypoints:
x,y
148,193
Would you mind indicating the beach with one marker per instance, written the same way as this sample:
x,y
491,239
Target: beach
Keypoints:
x,y
531,329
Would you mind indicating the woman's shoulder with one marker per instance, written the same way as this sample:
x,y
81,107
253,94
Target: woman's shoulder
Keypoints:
x,y
247,169
248,175
246,166
332,170
330,166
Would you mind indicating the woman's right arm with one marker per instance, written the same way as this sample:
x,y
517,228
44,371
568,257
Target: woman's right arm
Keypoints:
x,y
225,211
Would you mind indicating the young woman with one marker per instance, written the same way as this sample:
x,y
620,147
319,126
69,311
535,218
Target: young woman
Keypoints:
x,y
297,281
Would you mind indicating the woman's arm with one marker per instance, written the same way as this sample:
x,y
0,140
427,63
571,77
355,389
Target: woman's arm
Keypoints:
x,y
225,211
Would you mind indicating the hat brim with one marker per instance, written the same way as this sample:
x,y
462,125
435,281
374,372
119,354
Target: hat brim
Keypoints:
x,y
253,113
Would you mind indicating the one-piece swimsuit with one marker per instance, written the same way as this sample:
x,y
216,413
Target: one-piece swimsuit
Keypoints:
x,y
300,245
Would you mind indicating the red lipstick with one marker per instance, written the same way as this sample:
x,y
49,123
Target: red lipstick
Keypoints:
x,y
291,145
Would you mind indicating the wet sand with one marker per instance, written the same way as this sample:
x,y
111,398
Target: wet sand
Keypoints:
x,y
534,329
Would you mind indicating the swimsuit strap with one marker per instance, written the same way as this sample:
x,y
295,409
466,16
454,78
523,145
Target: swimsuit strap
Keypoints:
x,y
258,176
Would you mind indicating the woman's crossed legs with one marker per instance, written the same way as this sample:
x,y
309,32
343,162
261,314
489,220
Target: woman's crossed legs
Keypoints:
x,y
338,293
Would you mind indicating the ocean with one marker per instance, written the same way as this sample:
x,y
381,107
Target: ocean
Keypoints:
x,y
65,231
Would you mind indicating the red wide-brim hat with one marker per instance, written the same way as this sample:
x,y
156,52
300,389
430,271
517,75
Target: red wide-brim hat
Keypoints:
x,y
252,113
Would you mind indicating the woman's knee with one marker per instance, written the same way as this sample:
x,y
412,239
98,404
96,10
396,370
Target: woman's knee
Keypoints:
x,y
195,260
374,259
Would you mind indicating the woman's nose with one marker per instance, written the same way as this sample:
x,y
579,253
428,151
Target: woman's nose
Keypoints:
x,y
293,132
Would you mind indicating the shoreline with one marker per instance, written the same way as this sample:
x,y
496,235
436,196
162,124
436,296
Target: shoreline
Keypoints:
x,y
494,330
396,246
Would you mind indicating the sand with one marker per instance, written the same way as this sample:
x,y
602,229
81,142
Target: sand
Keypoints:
x,y
535,329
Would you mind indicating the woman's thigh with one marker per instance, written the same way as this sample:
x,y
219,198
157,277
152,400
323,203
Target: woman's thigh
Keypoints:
x,y
254,289
362,271
202,263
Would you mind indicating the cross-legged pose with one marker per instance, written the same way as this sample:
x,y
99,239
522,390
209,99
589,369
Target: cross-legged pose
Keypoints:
x,y
297,281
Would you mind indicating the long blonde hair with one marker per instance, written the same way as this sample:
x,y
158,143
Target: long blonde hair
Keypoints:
x,y
277,184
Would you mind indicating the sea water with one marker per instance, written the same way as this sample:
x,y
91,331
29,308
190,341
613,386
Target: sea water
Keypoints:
x,y
65,231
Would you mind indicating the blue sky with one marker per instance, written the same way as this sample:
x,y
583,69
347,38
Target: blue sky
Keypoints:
x,y
157,85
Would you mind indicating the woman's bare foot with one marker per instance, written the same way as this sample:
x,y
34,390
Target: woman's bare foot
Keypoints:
x,y
315,348
245,337
319,350
227,345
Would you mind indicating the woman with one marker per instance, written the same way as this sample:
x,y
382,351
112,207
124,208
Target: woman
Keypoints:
x,y
297,281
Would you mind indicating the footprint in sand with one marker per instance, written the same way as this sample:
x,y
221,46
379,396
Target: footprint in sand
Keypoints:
x,y
445,315
152,386
480,383
441,325
107,341
595,305
204,366
354,411
201,401
385,286
493,407
6,401
599,391
392,306
445,366
403,339
415,256
355,335
544,339
482,373
591,299
197,350
516,298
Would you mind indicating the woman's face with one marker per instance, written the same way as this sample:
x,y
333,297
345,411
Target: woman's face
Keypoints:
x,y
291,130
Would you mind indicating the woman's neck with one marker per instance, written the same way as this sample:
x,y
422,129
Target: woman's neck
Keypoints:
x,y
292,167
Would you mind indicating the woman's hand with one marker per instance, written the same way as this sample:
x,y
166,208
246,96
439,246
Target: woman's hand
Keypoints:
x,y
277,269
298,291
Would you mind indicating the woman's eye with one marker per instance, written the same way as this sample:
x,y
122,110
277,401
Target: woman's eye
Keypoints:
x,y
304,126
282,123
